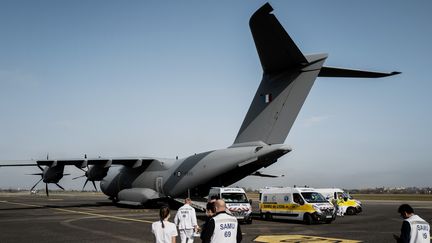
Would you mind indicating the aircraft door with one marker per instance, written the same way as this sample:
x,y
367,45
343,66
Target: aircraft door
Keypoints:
x,y
159,184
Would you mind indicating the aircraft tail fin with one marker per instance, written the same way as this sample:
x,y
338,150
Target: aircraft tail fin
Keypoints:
x,y
287,79
276,50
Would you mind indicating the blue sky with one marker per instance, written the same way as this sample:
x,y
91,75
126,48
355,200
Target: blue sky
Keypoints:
x,y
168,78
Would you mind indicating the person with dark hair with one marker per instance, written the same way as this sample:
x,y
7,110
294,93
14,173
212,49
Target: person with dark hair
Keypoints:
x,y
222,227
210,212
163,230
414,229
210,209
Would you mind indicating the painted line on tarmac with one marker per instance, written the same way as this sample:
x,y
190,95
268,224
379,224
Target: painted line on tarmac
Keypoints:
x,y
22,204
299,239
69,223
81,212
105,216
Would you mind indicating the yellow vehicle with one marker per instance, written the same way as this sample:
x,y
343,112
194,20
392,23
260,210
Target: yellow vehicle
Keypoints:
x,y
295,203
345,203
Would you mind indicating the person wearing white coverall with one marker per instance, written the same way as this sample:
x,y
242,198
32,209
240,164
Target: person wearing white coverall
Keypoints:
x,y
186,221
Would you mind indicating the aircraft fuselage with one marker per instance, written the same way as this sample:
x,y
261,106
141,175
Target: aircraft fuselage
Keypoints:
x,y
195,174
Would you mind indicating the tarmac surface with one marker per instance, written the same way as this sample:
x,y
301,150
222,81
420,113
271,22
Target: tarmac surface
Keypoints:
x,y
88,217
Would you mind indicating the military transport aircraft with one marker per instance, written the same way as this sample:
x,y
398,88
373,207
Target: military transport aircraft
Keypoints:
x,y
288,76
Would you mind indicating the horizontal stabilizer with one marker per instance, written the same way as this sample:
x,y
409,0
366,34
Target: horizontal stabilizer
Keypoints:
x,y
351,73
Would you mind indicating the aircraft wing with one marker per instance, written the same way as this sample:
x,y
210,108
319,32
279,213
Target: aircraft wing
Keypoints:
x,y
105,162
19,163
81,163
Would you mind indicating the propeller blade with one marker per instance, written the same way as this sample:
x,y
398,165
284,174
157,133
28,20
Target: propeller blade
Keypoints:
x,y
85,183
35,174
66,174
60,186
40,167
94,184
46,189
36,184
78,177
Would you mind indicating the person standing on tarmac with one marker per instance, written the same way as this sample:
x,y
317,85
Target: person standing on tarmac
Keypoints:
x,y
222,227
334,201
414,229
339,202
210,212
163,230
186,221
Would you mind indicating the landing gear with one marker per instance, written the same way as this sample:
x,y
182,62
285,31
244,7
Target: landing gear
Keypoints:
x,y
113,199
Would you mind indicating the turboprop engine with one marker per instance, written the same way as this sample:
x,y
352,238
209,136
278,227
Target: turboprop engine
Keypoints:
x,y
50,174
93,173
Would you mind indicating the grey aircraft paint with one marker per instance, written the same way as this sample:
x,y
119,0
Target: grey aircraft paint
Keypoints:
x,y
288,76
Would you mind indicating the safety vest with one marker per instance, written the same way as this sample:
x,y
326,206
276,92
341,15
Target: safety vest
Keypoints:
x,y
419,230
225,228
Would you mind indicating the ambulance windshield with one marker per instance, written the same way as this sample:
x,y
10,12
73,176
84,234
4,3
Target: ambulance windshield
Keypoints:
x,y
234,198
313,197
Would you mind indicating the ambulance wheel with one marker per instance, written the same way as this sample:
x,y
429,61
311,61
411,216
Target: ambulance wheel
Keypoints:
x,y
350,211
268,216
307,218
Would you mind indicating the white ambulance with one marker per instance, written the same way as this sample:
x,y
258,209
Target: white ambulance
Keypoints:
x,y
236,201
295,203
345,203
